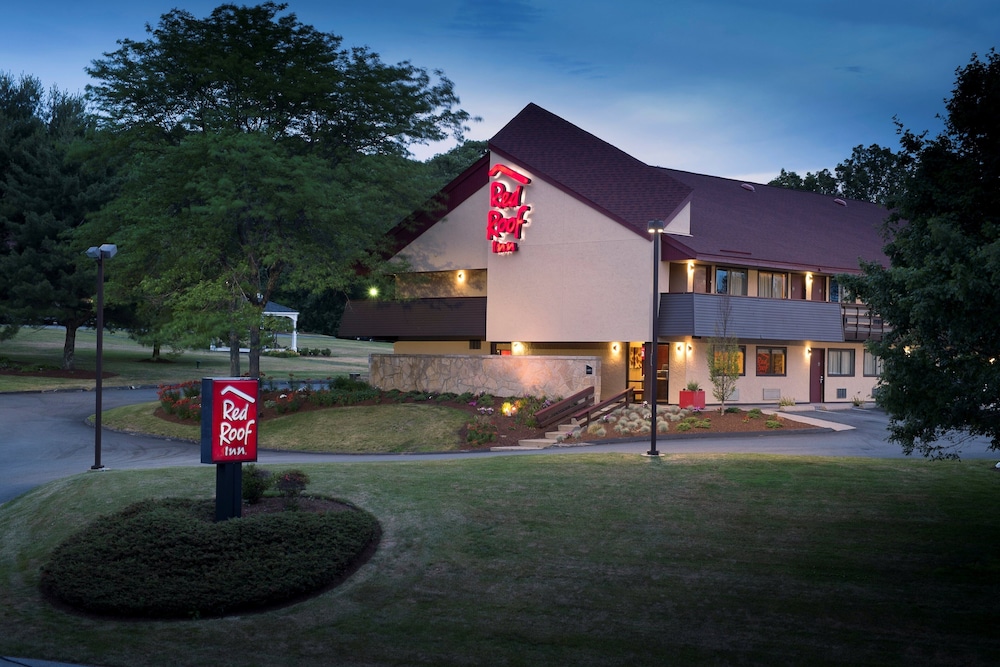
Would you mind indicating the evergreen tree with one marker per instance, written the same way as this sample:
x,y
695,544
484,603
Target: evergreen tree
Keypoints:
x,y
47,187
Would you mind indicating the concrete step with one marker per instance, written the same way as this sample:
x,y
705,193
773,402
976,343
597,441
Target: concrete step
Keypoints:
x,y
529,443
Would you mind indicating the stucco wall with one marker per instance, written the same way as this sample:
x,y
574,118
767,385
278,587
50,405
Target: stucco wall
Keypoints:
x,y
550,376
692,365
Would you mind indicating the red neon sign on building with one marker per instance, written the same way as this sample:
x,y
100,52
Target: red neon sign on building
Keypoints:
x,y
508,213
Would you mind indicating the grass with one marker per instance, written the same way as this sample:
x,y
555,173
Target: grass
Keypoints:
x,y
581,559
131,362
403,427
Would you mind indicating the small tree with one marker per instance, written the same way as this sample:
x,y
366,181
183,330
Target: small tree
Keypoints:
x,y
722,355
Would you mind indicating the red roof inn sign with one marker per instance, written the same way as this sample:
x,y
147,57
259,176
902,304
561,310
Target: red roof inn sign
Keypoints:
x,y
228,437
507,215
234,421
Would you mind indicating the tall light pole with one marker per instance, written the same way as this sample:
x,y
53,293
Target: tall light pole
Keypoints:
x,y
100,253
655,228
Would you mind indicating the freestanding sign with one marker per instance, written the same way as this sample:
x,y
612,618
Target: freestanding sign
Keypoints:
x,y
228,437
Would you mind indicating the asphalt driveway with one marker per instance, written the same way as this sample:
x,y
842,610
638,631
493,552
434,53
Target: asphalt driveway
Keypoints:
x,y
45,437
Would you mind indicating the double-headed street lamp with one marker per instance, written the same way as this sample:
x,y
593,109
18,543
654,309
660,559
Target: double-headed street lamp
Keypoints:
x,y
100,253
655,228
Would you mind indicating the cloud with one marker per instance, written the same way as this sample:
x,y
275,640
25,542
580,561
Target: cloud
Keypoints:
x,y
486,20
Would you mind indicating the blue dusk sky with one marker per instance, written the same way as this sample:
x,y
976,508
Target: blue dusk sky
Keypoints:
x,y
732,88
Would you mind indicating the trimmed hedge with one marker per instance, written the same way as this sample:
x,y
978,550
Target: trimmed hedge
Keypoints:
x,y
169,559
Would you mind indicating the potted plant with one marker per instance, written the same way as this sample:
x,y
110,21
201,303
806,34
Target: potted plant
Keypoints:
x,y
693,396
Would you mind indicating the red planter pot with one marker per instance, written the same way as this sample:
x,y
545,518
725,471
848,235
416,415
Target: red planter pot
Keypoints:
x,y
692,399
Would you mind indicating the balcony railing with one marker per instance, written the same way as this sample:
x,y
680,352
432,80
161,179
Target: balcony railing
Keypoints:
x,y
860,324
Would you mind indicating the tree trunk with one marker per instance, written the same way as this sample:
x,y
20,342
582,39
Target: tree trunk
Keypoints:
x,y
69,348
156,351
255,351
234,354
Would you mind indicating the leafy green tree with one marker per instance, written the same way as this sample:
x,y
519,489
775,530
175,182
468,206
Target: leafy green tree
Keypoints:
x,y
266,156
822,181
47,186
874,174
941,291
722,355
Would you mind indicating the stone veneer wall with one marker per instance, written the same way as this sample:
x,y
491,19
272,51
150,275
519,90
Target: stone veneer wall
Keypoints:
x,y
499,375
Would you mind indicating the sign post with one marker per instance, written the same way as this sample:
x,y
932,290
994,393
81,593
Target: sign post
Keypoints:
x,y
228,437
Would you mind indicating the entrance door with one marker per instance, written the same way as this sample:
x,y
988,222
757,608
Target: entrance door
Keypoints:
x,y
817,373
660,374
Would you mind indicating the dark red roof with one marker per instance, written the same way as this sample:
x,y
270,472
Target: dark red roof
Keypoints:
x,y
731,222
589,169
779,227
418,319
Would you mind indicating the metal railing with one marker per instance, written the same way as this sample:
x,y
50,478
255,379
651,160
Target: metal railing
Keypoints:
x,y
860,324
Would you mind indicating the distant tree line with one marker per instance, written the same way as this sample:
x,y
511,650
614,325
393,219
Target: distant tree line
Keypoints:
x,y
874,174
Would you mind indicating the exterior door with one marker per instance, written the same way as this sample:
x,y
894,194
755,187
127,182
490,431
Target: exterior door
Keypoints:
x,y
817,373
798,284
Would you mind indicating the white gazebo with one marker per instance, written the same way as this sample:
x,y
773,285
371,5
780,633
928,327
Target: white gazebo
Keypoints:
x,y
277,310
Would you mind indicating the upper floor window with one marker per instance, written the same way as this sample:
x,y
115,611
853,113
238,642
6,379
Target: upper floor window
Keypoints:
x,y
840,362
731,281
834,290
771,285
771,360
872,365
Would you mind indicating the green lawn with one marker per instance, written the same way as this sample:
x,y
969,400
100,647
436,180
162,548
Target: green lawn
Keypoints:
x,y
406,427
131,362
579,559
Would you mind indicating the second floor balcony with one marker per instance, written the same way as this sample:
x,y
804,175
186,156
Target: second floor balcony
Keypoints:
x,y
752,318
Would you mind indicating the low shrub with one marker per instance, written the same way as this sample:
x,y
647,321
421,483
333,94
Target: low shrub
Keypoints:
x,y
256,482
480,431
182,400
291,484
171,560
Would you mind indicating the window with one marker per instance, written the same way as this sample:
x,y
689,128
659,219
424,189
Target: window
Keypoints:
x,y
834,290
840,362
872,365
740,360
731,281
771,360
771,285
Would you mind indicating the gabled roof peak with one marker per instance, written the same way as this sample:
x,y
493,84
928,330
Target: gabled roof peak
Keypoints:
x,y
589,168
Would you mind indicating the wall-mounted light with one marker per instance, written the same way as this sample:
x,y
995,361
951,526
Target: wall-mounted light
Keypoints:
x,y
809,350
461,276
690,266
373,291
615,348
680,347
689,347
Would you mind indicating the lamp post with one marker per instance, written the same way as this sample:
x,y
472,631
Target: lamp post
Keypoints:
x,y
100,253
655,228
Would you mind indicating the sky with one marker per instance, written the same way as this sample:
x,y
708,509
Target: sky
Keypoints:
x,y
734,88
